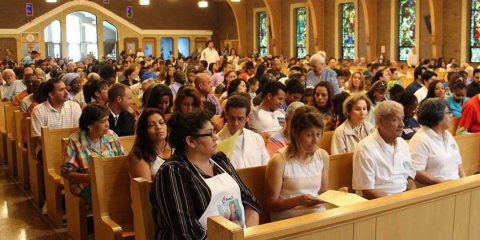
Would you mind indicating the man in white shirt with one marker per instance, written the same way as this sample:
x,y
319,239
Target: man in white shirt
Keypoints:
x,y
412,59
210,54
382,164
250,149
266,118
427,78
11,87
56,112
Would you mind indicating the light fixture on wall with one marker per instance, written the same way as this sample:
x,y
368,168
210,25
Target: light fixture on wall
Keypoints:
x,y
51,1
202,4
144,2
235,0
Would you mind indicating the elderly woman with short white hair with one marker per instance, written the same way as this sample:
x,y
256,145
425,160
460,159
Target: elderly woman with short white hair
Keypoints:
x,y
355,128
381,162
319,72
435,154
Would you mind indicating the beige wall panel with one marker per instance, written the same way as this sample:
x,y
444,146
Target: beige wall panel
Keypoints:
x,y
365,230
415,223
425,37
344,232
462,216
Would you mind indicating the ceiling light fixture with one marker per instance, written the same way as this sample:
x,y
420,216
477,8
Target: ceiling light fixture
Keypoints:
x,y
144,2
202,4
51,1
235,0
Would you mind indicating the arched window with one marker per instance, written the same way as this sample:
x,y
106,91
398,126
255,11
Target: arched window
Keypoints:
x,y
53,39
110,38
184,46
166,45
262,33
301,31
475,31
81,35
406,28
348,15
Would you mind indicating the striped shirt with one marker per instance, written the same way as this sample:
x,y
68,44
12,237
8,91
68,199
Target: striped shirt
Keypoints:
x,y
44,115
180,197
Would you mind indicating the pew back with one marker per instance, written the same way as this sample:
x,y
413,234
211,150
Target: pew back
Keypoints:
x,y
419,214
326,141
3,138
142,209
35,168
111,198
127,143
254,179
10,137
468,145
340,171
22,159
52,153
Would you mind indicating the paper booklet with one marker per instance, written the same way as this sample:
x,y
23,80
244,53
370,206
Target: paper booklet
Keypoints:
x,y
340,199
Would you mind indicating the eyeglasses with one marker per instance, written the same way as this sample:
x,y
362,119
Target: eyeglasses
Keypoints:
x,y
212,134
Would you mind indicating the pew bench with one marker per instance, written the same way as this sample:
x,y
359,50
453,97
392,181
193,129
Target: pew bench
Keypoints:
x,y
11,139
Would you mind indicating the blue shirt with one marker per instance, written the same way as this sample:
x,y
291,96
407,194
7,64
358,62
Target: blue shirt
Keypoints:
x,y
411,127
327,75
455,107
414,86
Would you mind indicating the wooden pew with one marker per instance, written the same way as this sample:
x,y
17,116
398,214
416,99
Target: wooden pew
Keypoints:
x,y
340,171
112,212
35,168
142,209
75,207
469,149
448,210
52,161
11,142
22,158
3,135
254,179
326,141
454,125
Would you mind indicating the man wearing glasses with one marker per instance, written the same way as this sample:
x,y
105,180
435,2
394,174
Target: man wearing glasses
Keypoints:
x,y
250,148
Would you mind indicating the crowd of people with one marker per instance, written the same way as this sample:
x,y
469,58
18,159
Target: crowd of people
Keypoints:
x,y
276,110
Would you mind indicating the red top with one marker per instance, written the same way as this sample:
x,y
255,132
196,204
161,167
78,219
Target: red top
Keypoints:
x,y
471,115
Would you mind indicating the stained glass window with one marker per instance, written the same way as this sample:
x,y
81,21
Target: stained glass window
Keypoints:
x,y
406,28
301,32
262,26
348,30
475,31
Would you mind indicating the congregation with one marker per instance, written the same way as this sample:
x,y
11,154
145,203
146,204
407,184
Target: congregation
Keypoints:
x,y
276,110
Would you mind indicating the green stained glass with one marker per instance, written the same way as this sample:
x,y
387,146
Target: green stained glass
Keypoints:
x,y
301,32
406,29
262,33
475,31
348,30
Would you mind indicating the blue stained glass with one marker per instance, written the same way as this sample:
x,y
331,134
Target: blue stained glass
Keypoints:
x,y
301,32
475,31
348,30
262,33
406,29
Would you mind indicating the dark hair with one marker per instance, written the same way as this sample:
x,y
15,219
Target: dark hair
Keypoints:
x,y
50,86
418,72
427,75
38,94
97,86
294,86
337,101
431,112
204,63
377,86
406,98
329,88
272,87
395,91
116,90
233,87
92,113
184,92
179,76
459,86
303,118
156,93
143,148
252,81
238,101
431,89
185,125
107,72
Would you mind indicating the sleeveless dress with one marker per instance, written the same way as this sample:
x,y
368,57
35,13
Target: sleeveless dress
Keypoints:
x,y
154,166
298,179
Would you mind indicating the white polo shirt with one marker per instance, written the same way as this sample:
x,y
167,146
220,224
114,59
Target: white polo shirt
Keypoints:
x,y
44,115
421,93
209,55
262,121
437,155
380,166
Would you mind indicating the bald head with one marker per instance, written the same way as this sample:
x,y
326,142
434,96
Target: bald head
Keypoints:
x,y
203,83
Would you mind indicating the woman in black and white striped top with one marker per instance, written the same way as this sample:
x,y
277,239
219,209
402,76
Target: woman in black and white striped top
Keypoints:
x,y
197,182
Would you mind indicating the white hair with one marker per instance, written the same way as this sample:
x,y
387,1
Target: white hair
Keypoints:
x,y
93,76
385,108
319,57
7,70
292,107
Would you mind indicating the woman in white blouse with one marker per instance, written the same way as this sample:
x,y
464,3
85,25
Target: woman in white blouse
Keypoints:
x,y
435,154
355,128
